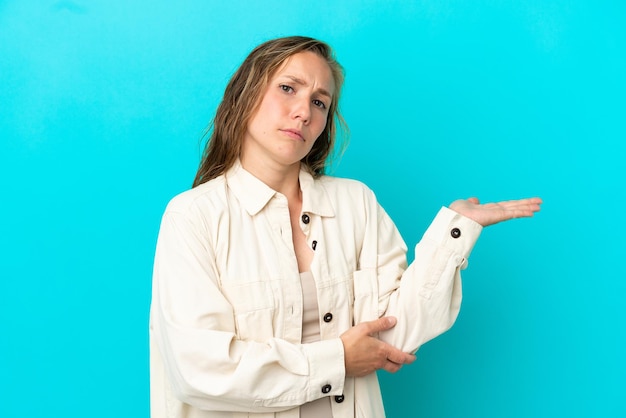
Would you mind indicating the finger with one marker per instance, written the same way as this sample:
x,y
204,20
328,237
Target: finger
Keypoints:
x,y
392,367
399,357
511,213
381,324
520,213
533,201
526,208
515,208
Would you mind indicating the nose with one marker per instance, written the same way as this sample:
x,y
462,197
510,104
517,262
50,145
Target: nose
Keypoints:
x,y
302,110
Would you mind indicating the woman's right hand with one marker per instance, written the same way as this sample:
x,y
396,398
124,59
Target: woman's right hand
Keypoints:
x,y
364,354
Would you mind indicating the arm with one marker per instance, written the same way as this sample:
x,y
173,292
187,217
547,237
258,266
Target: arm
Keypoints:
x,y
194,329
427,298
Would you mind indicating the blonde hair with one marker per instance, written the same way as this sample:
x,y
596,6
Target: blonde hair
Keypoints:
x,y
242,97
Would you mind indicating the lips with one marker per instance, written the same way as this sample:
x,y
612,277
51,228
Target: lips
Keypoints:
x,y
293,133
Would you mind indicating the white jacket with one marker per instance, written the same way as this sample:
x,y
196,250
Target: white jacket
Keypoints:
x,y
226,314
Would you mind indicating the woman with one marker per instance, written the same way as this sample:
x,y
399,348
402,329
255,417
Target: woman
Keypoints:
x,y
279,291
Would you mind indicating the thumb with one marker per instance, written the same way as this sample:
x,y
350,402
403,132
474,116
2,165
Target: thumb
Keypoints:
x,y
382,324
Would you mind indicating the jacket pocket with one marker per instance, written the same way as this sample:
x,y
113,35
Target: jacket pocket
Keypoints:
x,y
254,305
255,325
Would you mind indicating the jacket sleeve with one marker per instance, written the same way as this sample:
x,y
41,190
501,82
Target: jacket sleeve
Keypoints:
x,y
426,296
193,328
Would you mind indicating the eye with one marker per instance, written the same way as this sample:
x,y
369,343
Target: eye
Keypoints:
x,y
319,104
286,88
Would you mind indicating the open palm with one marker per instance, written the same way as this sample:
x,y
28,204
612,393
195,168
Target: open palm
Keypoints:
x,y
491,213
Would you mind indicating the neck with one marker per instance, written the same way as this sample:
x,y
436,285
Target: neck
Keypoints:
x,y
283,179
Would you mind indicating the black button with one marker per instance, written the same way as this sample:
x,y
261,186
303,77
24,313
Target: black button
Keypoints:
x,y
313,245
326,388
305,218
456,232
339,398
328,317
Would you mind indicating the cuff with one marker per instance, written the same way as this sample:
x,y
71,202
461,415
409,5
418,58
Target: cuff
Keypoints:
x,y
327,368
454,231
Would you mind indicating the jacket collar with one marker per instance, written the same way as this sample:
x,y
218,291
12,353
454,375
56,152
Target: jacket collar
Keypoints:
x,y
254,194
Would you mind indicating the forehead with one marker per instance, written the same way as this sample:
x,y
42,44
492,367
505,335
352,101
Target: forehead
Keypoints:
x,y
309,68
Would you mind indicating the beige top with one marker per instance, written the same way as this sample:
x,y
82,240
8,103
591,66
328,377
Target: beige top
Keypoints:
x,y
311,333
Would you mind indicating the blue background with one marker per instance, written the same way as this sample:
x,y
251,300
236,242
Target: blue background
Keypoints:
x,y
102,106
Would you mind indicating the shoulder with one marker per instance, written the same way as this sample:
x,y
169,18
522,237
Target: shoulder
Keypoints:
x,y
349,197
345,188
208,196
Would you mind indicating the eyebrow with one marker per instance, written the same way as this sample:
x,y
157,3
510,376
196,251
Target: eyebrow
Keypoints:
x,y
300,81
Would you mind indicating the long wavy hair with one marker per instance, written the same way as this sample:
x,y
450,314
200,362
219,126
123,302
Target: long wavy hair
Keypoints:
x,y
242,98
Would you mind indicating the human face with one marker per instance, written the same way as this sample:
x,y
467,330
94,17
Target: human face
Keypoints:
x,y
292,113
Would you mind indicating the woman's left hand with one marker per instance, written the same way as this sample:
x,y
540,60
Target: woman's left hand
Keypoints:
x,y
492,213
